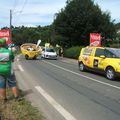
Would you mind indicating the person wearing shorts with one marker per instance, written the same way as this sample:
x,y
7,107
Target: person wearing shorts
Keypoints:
x,y
6,59
4,81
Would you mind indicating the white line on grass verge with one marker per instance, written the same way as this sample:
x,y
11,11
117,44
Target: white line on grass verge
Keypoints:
x,y
56,105
20,67
83,75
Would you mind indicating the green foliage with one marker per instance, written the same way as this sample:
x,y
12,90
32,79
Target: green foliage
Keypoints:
x,y
71,27
117,26
72,52
116,40
23,34
76,21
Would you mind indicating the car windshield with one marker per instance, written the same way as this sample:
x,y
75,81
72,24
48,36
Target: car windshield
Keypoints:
x,y
115,53
50,50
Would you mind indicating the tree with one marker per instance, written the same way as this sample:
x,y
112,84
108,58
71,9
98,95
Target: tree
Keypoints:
x,y
80,18
21,35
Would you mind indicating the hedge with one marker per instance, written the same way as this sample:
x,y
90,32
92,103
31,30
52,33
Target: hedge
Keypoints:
x,y
72,52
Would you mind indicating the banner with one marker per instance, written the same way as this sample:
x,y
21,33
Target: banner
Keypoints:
x,y
5,34
95,39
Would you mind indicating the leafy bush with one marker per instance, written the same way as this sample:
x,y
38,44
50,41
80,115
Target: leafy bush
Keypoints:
x,y
72,52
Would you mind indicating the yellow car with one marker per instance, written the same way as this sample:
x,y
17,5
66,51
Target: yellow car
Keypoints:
x,y
100,59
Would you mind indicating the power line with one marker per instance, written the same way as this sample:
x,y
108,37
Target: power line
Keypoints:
x,y
21,11
24,5
15,4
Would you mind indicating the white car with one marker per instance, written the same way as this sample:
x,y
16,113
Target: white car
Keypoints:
x,y
49,53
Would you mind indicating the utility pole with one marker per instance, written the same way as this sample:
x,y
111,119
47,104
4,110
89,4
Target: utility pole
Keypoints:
x,y
11,25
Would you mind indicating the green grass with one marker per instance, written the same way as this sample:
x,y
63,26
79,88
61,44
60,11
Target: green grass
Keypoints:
x,y
22,110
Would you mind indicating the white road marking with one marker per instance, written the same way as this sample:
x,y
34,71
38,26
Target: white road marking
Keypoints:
x,y
20,67
83,75
56,105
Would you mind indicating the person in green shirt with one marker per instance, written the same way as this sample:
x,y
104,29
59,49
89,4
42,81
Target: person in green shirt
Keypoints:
x,y
6,59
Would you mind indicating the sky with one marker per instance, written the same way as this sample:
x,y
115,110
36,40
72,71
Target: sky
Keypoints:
x,y
42,12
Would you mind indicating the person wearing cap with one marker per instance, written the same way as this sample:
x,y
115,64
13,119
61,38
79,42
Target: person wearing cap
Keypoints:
x,y
6,59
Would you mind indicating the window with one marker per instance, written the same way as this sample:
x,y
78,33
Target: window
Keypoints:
x,y
50,50
109,54
112,53
87,51
99,52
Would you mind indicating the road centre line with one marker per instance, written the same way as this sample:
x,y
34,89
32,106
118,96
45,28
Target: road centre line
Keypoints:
x,y
82,75
56,105
20,67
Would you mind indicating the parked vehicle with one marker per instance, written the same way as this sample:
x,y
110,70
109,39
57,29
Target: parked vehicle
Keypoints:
x,y
49,52
100,59
30,50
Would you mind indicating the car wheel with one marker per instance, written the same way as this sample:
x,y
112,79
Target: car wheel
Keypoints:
x,y
34,57
26,57
110,73
81,66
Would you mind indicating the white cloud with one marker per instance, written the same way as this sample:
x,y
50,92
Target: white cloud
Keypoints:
x,y
26,25
41,12
35,12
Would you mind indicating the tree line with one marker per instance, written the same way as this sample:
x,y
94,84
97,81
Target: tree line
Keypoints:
x,y
71,27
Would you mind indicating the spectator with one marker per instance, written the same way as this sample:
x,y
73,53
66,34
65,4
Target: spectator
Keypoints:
x,y
61,52
6,59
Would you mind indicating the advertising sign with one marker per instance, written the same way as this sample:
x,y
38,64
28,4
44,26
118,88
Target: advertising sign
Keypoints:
x,y
95,39
5,34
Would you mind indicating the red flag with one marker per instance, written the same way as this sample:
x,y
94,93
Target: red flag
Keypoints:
x,y
5,34
95,39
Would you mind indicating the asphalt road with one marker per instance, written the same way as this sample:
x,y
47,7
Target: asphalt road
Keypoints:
x,y
62,92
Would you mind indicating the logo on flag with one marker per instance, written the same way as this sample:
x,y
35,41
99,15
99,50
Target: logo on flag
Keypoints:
x,y
5,34
95,39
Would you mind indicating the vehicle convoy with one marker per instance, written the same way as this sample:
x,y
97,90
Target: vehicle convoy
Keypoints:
x,y
30,50
100,59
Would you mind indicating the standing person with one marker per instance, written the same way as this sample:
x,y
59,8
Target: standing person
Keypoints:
x,y
6,59
61,51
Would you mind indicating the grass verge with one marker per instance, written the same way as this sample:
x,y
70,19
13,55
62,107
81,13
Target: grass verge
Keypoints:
x,y
22,110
